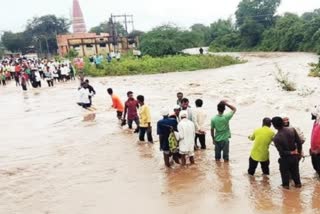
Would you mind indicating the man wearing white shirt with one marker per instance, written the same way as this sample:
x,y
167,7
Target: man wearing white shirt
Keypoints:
x,y
186,138
84,94
199,118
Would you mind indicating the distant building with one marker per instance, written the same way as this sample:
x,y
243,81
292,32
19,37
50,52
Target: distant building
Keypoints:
x,y
87,44
78,22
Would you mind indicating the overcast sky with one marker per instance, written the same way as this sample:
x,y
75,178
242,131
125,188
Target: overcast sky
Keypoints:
x,y
147,13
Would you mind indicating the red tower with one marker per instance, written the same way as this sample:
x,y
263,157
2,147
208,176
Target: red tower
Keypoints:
x,y
78,23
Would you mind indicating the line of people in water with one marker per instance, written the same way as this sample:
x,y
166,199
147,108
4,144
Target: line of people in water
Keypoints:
x,y
31,72
180,132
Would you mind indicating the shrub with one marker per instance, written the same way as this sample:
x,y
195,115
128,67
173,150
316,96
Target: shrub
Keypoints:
x,y
283,80
72,53
130,65
315,69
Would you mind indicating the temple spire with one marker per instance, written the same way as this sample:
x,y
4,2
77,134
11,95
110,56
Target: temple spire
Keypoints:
x,y
78,23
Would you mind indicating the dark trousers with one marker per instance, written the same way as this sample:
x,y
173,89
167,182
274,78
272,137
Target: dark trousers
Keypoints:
x,y
24,87
315,159
50,83
90,99
137,122
142,132
222,146
254,164
289,167
202,140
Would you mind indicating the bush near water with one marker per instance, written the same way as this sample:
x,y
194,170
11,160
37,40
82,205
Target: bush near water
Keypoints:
x,y
315,69
130,65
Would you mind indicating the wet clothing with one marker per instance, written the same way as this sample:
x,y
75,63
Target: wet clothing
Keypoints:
x,y
119,114
142,132
186,136
164,127
220,124
289,168
137,122
84,96
202,140
254,164
221,147
262,139
315,160
286,141
116,103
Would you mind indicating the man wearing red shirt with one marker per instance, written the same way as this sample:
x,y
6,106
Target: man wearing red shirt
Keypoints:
x,y
131,107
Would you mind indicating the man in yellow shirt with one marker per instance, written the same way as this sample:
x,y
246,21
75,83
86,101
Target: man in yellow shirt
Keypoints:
x,y
262,138
145,120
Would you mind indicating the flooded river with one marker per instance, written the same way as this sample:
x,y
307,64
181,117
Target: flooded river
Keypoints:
x,y
53,163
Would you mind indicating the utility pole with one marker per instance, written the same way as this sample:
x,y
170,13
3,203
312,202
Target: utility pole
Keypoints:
x,y
125,20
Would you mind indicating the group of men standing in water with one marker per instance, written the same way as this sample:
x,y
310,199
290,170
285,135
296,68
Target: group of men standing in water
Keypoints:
x,y
180,132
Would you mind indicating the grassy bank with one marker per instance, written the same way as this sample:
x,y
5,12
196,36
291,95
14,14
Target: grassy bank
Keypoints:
x,y
152,65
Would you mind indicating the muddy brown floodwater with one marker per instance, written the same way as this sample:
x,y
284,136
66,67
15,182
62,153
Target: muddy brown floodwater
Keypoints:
x,y
53,163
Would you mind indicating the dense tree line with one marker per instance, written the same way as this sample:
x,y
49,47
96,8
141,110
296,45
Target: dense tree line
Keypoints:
x,y
40,34
257,27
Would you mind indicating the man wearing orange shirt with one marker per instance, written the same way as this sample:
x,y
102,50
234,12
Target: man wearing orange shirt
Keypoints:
x,y
116,103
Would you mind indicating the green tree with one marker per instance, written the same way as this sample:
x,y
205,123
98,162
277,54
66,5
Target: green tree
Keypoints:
x,y
251,33
311,31
167,40
253,18
43,31
260,11
221,28
287,35
203,34
106,27
224,36
15,42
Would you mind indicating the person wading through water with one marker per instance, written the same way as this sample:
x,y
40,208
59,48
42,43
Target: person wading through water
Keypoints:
x,y
186,138
262,138
289,147
91,90
131,107
199,118
164,127
220,130
315,140
116,103
145,120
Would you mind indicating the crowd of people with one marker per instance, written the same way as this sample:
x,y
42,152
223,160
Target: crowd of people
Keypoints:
x,y
98,59
181,132
30,72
